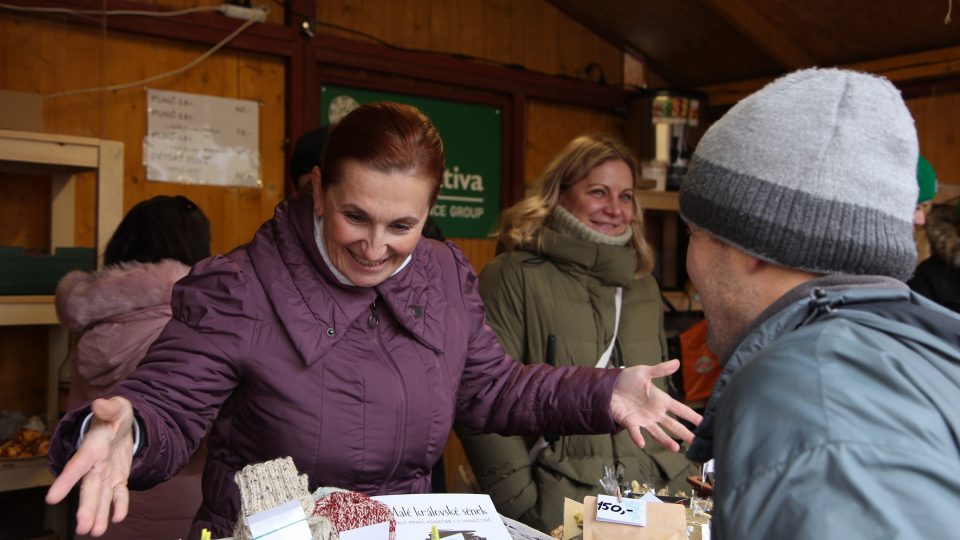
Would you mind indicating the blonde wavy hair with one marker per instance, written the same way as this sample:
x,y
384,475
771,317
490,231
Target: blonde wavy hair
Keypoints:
x,y
523,223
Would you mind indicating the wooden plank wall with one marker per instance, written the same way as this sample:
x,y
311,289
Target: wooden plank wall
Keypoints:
x,y
48,57
528,33
938,127
53,56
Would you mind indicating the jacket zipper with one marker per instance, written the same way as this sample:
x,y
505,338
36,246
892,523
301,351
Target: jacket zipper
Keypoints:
x,y
373,322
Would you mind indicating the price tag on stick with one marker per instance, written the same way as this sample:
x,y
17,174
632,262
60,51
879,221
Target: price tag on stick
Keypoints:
x,y
626,511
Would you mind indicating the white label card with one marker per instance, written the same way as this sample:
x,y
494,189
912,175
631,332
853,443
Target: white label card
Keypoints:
x,y
626,511
377,531
284,522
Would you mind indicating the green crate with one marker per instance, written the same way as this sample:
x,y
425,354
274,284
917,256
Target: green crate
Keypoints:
x,y
39,274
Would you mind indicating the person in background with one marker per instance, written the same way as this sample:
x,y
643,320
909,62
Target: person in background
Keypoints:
x,y
304,158
573,288
342,338
938,277
835,415
927,183
114,315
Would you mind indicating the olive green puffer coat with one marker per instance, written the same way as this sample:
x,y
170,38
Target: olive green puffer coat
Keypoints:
x,y
558,307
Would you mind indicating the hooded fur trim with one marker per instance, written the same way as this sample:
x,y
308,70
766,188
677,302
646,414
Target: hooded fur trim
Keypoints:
x,y
85,298
941,227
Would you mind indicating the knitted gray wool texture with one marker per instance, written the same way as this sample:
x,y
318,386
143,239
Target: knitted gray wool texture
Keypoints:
x,y
269,484
816,171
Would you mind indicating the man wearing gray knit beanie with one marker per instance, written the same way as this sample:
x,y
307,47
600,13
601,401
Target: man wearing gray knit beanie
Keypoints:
x,y
836,413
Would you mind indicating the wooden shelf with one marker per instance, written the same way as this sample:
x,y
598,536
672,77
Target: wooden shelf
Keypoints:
x,y
667,206
668,201
28,473
682,301
61,157
27,147
24,310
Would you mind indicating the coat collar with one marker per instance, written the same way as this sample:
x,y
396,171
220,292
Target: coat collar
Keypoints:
x,y
613,265
799,307
415,296
315,309
84,299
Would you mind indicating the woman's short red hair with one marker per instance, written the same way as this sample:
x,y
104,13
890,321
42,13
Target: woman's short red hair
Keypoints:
x,y
387,137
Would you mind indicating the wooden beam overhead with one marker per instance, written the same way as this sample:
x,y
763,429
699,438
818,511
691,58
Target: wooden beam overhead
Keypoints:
x,y
768,38
901,70
444,69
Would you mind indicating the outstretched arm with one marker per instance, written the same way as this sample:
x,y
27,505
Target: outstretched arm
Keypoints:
x,y
101,466
637,403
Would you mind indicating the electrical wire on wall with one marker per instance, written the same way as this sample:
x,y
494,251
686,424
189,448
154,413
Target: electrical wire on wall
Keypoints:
x,y
144,13
592,72
254,14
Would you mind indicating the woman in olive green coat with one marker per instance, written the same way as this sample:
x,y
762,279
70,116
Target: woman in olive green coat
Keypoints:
x,y
552,295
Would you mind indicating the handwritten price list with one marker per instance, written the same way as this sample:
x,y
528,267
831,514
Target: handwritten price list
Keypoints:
x,y
199,139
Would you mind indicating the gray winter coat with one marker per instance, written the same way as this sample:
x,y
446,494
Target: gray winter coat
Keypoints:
x,y
358,385
837,417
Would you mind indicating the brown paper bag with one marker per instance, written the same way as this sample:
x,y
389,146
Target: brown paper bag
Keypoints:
x,y
570,509
664,522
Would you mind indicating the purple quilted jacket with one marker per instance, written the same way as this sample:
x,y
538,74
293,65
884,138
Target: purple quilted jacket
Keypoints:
x,y
274,357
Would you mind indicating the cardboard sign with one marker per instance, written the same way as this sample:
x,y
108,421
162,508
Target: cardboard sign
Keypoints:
x,y
664,522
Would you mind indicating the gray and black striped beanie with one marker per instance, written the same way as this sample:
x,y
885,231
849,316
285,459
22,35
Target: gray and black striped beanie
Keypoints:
x,y
816,171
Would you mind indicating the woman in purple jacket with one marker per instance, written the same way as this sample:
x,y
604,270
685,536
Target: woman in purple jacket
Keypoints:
x,y
338,337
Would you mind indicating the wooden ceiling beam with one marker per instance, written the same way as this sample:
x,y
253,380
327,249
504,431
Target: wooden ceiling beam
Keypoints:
x,y
769,38
902,70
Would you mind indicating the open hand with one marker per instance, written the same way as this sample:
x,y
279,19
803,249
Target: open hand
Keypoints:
x,y
101,465
637,403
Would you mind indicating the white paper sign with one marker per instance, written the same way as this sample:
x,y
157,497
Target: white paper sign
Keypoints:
x,y
649,497
377,531
627,511
522,531
197,139
284,522
472,515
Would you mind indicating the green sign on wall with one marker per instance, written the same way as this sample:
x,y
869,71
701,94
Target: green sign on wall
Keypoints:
x,y
469,200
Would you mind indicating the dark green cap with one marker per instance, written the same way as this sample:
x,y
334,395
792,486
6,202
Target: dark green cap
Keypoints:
x,y
926,179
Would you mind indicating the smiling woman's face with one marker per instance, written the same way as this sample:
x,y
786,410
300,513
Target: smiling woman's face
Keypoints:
x,y
603,200
372,220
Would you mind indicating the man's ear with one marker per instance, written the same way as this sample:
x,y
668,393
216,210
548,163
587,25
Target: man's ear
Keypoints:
x,y
317,190
753,264
748,263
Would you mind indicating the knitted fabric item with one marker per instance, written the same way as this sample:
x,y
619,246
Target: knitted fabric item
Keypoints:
x,y
350,510
269,484
562,221
817,171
